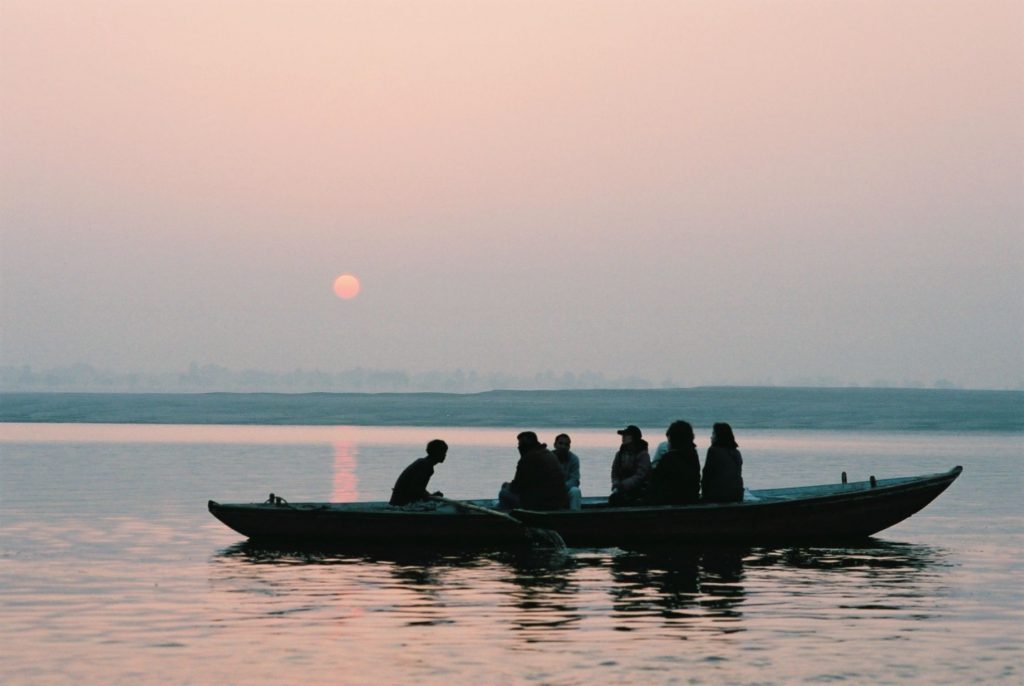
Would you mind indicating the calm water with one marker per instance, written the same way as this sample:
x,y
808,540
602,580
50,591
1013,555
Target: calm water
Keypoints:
x,y
113,572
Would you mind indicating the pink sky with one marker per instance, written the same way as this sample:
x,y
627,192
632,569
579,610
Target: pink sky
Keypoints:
x,y
703,192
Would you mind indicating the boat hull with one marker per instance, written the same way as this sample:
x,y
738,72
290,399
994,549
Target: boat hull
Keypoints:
x,y
816,513
377,523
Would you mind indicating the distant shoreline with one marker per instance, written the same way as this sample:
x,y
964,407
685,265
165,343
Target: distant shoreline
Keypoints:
x,y
847,409
212,378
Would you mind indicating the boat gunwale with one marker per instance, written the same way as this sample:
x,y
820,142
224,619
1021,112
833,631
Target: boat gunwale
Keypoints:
x,y
592,504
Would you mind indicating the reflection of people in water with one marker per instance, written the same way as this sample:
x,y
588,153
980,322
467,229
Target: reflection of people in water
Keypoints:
x,y
720,580
544,593
412,482
685,585
679,583
671,576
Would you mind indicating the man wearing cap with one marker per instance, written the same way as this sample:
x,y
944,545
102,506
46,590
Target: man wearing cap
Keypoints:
x,y
631,468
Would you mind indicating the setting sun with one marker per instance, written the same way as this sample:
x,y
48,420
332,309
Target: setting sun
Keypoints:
x,y
346,286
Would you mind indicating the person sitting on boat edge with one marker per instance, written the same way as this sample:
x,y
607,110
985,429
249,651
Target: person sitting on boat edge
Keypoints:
x,y
538,483
675,478
723,467
570,464
631,468
411,485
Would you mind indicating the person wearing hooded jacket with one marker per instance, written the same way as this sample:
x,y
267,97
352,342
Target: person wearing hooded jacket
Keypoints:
x,y
538,483
631,468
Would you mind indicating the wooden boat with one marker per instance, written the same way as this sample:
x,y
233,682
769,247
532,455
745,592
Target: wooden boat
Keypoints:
x,y
811,513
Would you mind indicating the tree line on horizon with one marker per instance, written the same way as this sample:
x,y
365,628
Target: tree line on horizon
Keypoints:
x,y
213,378
208,378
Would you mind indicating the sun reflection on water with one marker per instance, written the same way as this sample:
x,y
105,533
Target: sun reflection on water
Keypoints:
x,y
345,483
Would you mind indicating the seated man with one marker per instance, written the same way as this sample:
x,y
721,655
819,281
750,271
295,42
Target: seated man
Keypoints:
x,y
412,482
538,483
570,465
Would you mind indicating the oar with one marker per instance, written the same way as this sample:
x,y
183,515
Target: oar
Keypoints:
x,y
545,536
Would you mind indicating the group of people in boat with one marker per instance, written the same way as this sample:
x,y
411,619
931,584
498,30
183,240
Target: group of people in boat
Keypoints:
x,y
673,475
550,479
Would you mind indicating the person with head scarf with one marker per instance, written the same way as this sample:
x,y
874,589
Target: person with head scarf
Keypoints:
x,y
723,467
675,478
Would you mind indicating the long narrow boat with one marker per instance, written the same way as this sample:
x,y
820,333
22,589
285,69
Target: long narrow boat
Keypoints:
x,y
810,513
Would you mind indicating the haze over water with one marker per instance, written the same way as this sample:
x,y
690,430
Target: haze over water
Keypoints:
x,y
688,192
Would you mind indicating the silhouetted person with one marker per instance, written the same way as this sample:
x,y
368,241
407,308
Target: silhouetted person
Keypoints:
x,y
723,467
675,478
538,483
412,482
631,468
570,464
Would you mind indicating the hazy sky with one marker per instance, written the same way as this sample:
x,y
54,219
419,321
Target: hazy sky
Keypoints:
x,y
708,192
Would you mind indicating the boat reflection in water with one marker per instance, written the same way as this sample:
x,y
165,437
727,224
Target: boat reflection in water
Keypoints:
x,y
544,595
706,588
681,584
541,594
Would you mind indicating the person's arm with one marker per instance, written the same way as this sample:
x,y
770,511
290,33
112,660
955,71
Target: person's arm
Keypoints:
x,y
574,471
423,473
694,467
517,479
616,484
709,464
658,453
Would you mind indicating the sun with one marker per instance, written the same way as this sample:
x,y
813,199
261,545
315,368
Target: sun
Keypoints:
x,y
346,286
